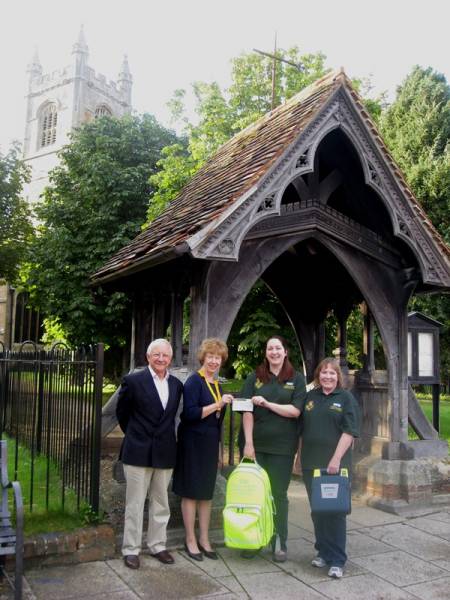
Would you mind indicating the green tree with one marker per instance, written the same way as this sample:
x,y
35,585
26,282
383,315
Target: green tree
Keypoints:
x,y
95,204
15,222
260,316
251,88
416,128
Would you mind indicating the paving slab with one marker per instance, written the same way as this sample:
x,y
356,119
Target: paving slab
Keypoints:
x,y
232,584
225,597
299,565
441,516
417,542
267,586
362,544
242,567
295,532
391,558
128,595
362,587
366,516
439,589
300,515
76,581
442,563
439,528
352,524
213,568
400,568
155,580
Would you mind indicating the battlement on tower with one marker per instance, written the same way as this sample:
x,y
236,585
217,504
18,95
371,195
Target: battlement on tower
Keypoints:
x,y
66,75
101,83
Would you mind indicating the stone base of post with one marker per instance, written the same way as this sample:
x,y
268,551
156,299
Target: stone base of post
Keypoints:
x,y
403,486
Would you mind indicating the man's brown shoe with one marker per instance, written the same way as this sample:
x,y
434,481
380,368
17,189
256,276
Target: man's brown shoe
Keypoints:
x,y
131,561
164,556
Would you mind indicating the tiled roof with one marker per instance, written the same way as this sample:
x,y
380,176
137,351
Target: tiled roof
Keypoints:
x,y
236,167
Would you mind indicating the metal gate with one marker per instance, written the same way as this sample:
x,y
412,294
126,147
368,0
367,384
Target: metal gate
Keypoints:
x,y
50,403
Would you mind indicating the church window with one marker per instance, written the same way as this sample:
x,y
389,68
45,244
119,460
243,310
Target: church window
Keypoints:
x,y
103,111
49,120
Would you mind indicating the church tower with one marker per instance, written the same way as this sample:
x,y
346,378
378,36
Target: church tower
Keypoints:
x,y
59,101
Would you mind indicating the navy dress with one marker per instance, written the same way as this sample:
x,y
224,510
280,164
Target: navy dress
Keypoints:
x,y
198,443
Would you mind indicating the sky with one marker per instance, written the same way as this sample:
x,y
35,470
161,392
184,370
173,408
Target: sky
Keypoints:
x,y
172,43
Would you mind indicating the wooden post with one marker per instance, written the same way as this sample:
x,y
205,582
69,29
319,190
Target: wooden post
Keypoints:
x,y
368,341
436,393
177,328
141,329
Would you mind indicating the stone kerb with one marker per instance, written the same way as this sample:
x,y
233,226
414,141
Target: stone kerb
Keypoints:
x,y
59,548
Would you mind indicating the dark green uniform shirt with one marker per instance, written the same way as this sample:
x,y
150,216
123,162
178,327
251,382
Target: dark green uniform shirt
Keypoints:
x,y
324,419
271,432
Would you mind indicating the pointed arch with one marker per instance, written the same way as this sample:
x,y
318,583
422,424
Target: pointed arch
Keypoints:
x,y
48,122
103,110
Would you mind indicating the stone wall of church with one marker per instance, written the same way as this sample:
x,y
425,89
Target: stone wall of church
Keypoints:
x,y
76,91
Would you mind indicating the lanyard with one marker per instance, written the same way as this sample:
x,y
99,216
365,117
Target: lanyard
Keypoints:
x,y
215,393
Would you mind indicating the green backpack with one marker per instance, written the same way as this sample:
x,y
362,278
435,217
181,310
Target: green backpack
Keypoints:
x,y
248,512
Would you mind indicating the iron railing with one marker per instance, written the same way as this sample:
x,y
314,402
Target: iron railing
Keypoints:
x,y
50,403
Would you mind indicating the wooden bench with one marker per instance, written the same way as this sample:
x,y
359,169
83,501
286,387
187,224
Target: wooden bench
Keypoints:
x,y
11,539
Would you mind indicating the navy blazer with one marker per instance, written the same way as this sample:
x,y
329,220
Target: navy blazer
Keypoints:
x,y
149,429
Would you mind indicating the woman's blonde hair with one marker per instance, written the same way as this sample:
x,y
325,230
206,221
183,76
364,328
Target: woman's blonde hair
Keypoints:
x,y
333,362
212,346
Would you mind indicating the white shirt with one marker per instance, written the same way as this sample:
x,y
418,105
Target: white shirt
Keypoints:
x,y
162,387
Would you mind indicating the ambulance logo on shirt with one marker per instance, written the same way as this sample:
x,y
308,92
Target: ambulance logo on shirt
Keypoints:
x,y
289,385
336,406
309,405
258,384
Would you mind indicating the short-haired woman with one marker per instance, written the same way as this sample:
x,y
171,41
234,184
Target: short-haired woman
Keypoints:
x,y
330,424
271,430
195,472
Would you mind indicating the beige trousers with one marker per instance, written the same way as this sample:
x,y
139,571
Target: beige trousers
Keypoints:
x,y
140,482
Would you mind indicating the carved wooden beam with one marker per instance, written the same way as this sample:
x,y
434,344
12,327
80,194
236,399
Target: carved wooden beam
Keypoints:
x,y
312,215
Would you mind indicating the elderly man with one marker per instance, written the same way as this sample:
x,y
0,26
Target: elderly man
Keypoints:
x,y
146,408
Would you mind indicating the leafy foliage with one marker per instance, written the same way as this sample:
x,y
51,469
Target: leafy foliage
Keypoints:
x,y
260,317
416,128
15,222
95,204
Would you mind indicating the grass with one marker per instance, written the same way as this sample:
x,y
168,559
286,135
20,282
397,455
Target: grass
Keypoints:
x,y
232,385
42,515
107,392
444,415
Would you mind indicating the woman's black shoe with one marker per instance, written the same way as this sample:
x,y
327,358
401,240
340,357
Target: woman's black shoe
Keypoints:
x,y
194,555
208,553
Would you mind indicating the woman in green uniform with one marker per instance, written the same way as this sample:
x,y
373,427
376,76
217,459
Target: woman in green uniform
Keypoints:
x,y
330,424
271,430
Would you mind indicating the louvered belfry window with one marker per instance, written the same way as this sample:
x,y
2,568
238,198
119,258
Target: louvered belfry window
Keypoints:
x,y
49,121
103,111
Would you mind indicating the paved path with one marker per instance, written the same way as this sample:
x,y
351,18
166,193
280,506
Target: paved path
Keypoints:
x,y
390,558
